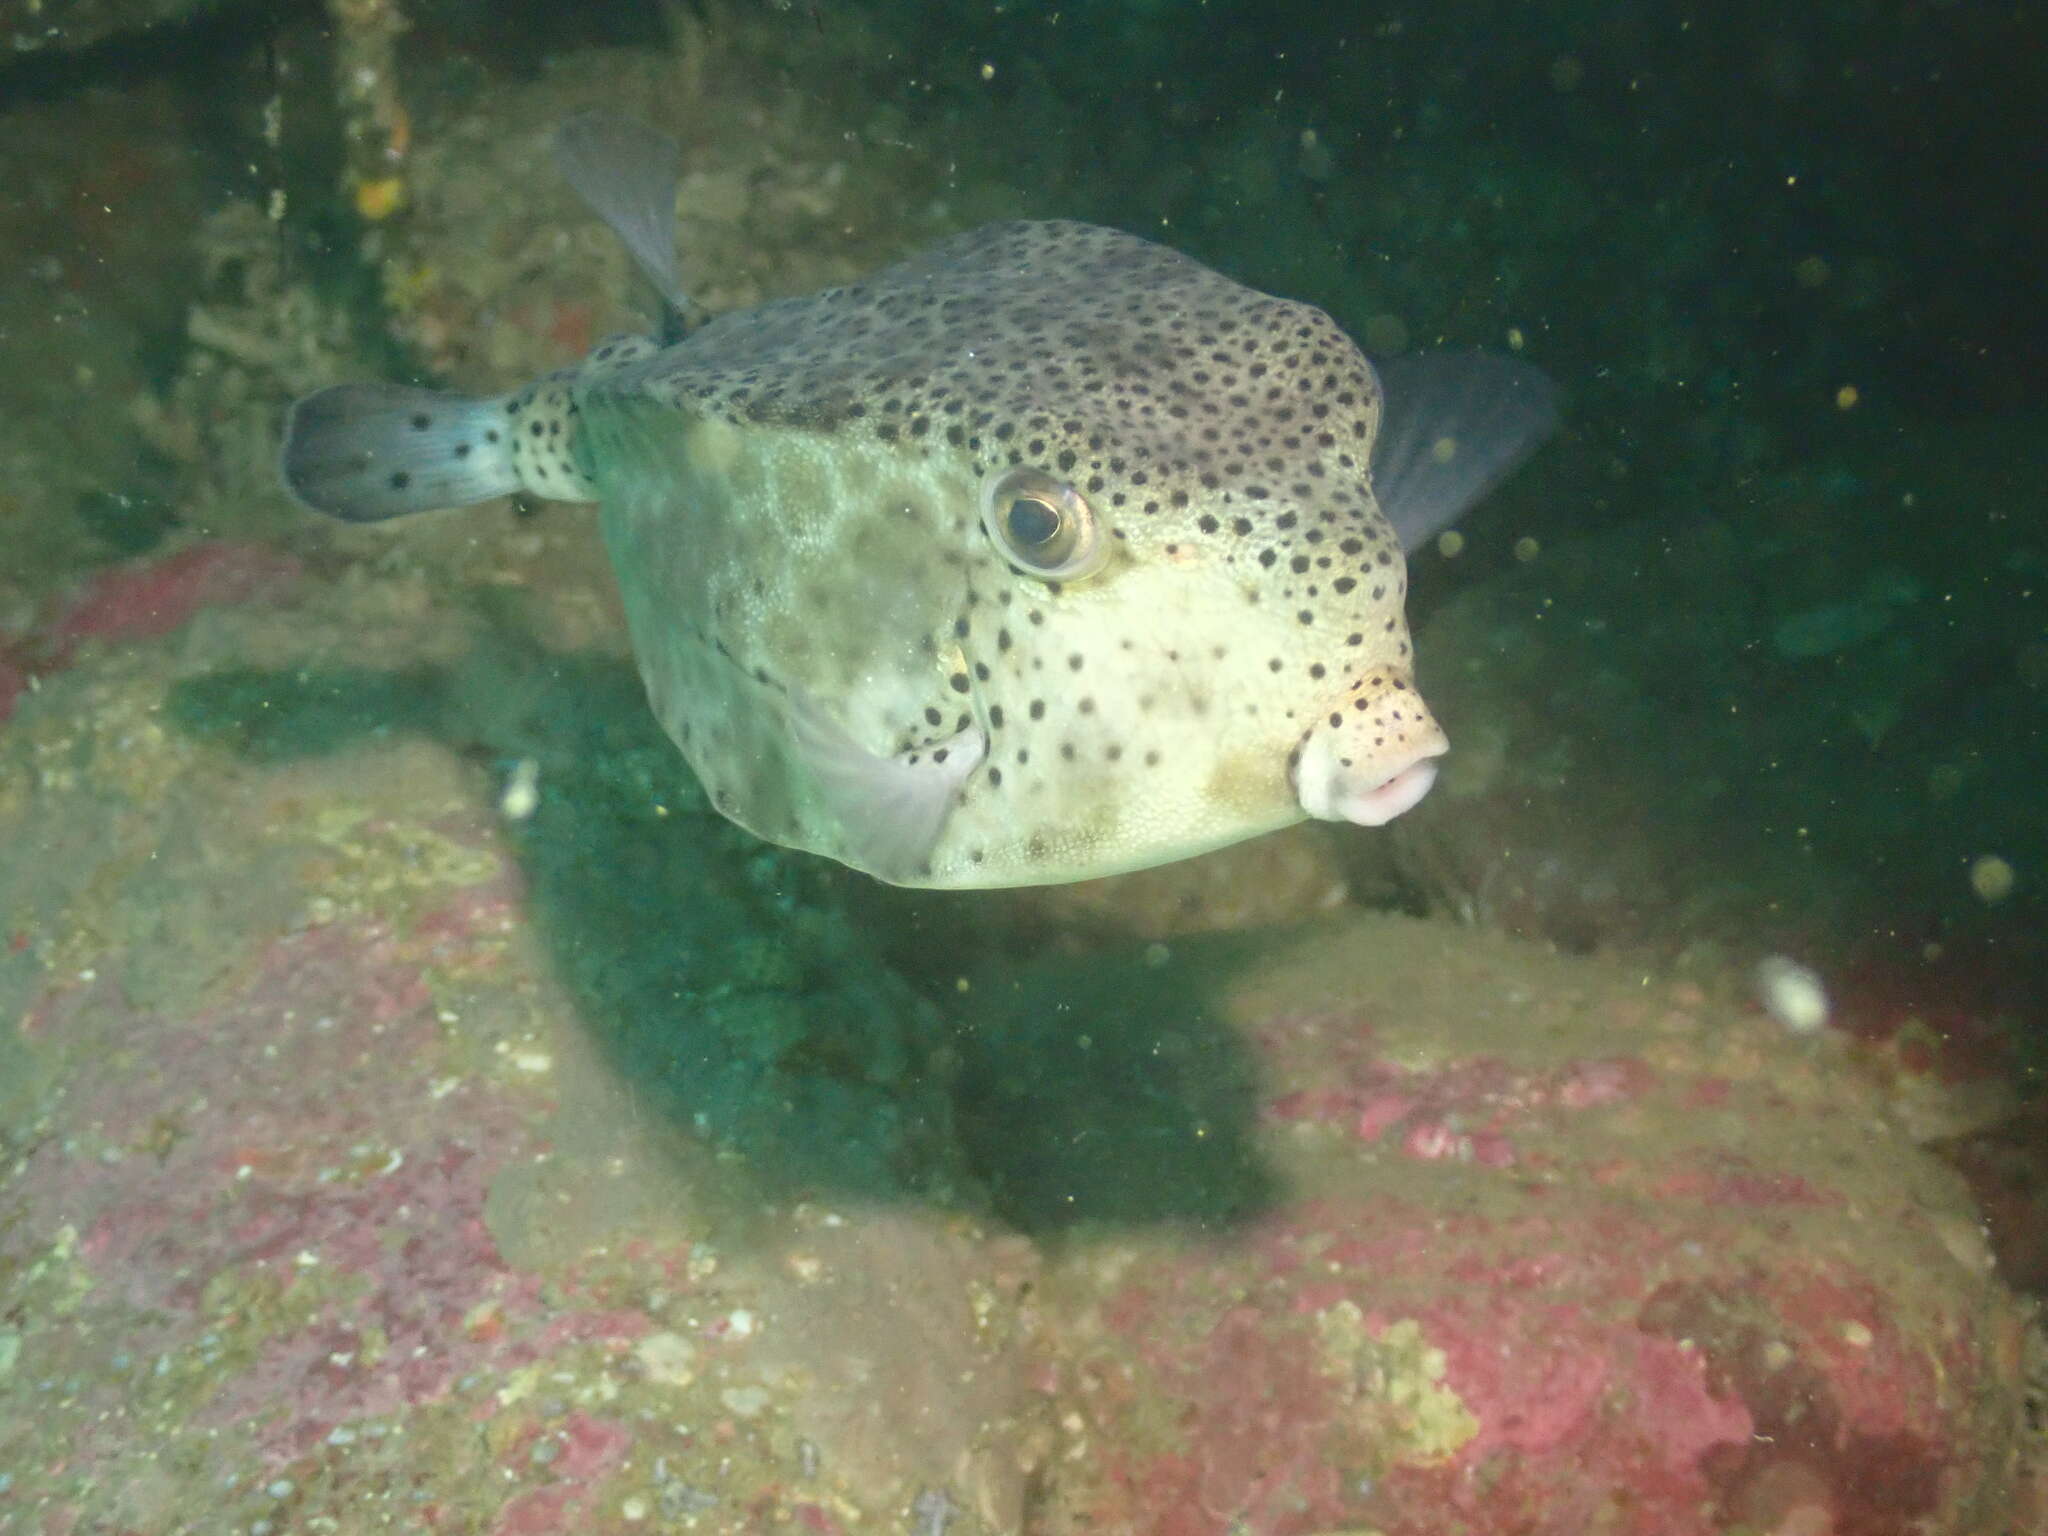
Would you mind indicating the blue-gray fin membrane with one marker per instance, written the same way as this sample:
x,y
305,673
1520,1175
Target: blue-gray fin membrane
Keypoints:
x,y
367,452
1453,426
893,808
627,174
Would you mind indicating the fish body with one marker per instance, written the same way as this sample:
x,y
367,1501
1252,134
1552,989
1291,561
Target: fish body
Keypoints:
x,y
1045,554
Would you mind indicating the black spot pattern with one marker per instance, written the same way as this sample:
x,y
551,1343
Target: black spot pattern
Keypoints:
x,y
1212,428
1119,363
541,422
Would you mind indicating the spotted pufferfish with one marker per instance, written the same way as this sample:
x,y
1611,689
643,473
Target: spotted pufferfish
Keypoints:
x,y
1045,554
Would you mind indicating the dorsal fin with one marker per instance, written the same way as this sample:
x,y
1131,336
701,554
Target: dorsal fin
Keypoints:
x,y
626,173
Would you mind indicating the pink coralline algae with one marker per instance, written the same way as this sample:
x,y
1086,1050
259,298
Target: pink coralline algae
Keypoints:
x,y
142,601
1848,1442
580,1455
1728,1180
1462,1110
337,1237
1543,1395
1565,1290
417,1239
1519,1387
339,1228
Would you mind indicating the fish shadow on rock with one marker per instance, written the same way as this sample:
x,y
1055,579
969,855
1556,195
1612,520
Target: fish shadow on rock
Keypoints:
x,y
1104,1091
763,1000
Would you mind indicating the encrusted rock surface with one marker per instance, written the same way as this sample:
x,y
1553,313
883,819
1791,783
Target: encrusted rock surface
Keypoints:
x,y
334,1196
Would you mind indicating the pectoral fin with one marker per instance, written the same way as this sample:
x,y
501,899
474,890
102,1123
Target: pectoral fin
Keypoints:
x,y
890,810
1456,425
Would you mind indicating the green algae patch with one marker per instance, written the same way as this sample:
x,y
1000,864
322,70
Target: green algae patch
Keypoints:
x,y
271,716
1394,1381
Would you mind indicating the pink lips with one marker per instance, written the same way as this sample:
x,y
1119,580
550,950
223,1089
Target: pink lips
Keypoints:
x,y
1368,764
1403,792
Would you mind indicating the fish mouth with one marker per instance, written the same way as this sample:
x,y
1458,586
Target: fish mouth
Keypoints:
x,y
1379,805
1368,782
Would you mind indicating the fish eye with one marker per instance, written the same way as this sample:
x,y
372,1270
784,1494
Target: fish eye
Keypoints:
x,y
1042,525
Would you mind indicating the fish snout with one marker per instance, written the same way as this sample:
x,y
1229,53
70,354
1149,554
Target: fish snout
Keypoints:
x,y
1371,756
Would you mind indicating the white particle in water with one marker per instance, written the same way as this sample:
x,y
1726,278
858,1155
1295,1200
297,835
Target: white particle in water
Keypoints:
x,y
1792,994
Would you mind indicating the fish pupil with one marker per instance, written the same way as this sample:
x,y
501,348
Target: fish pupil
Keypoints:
x,y
1033,523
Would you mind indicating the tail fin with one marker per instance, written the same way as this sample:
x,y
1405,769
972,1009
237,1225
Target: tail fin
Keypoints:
x,y
367,452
